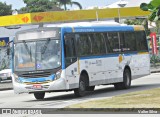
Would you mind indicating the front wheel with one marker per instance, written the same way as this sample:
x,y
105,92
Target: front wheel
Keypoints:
x,y
39,95
126,84
91,88
81,91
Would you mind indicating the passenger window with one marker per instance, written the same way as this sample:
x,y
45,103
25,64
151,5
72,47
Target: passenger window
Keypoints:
x,y
70,51
141,41
129,42
99,41
108,45
113,41
83,44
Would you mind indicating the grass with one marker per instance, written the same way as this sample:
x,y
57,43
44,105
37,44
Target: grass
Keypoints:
x,y
141,99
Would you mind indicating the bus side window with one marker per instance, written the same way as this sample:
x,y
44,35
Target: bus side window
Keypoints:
x,y
108,44
113,39
84,45
70,52
95,48
141,41
130,41
99,41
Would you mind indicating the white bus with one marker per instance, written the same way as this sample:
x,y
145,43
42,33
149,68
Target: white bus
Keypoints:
x,y
78,56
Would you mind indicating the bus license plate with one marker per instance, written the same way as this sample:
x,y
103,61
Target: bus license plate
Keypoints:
x,y
37,86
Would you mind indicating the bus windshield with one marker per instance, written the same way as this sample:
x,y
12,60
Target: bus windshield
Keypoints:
x,y
37,55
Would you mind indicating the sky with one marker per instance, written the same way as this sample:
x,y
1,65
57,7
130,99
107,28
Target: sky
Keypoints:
x,y
17,4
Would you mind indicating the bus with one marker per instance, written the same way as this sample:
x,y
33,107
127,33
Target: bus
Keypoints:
x,y
77,57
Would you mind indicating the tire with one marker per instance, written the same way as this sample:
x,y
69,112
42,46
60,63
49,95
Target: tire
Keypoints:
x,y
126,84
91,88
81,91
39,95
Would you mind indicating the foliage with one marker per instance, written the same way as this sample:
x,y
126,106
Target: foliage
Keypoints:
x,y
46,5
5,9
155,60
37,6
133,21
69,2
154,8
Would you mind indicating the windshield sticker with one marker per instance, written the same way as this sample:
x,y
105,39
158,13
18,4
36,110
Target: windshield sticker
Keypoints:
x,y
26,65
38,66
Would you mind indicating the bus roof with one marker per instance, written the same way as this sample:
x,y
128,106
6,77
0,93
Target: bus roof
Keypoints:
x,y
85,24
95,24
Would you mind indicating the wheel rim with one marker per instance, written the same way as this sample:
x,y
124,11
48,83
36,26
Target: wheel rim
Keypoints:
x,y
82,86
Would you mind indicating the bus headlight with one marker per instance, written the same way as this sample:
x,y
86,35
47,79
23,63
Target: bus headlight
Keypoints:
x,y
58,74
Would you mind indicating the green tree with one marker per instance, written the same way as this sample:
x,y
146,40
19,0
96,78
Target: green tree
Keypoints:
x,y
67,2
154,8
5,9
37,6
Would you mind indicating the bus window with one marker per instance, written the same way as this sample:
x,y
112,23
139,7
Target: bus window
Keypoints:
x,y
113,40
122,41
99,44
70,53
128,41
141,41
108,45
84,44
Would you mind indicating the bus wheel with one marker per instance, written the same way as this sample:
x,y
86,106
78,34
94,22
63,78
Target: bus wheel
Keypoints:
x,y
126,84
39,95
91,88
81,91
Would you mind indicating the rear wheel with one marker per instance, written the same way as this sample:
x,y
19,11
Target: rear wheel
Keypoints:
x,y
39,95
81,91
126,84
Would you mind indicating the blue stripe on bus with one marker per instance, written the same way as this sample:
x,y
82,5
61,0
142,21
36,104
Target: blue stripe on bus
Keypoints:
x,y
62,47
29,80
130,54
108,56
100,29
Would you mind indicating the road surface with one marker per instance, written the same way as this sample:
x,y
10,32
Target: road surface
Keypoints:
x,y
62,99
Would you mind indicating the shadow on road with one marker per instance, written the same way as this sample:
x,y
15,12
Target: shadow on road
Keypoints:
x,y
101,93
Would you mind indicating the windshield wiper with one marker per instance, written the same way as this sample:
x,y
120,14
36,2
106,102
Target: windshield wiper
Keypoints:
x,y
28,50
43,49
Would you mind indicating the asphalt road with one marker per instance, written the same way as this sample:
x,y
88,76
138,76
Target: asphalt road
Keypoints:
x,y
61,99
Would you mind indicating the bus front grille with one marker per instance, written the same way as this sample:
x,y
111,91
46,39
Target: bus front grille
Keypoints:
x,y
35,75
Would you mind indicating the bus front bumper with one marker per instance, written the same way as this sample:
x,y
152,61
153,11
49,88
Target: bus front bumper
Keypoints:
x,y
56,85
